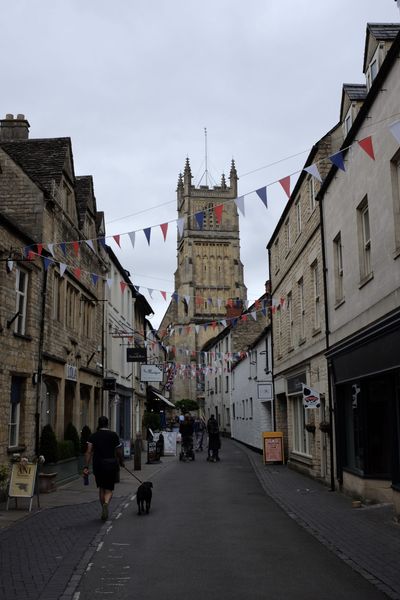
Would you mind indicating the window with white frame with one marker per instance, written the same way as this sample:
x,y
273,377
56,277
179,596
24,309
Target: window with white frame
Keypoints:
x,y
15,411
316,296
311,192
298,216
21,289
395,173
289,310
338,267
288,235
364,239
300,287
348,123
279,320
301,437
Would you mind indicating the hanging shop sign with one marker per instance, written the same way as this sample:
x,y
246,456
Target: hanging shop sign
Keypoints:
x,y
109,384
264,391
150,373
136,355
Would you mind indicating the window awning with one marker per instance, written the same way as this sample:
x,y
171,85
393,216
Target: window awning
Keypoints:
x,y
161,397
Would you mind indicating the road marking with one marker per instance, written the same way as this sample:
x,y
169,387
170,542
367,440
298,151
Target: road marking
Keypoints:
x,y
133,497
99,547
126,505
90,565
118,516
109,529
76,596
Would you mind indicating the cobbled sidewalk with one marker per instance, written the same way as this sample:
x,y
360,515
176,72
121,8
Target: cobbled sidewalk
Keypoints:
x,y
367,538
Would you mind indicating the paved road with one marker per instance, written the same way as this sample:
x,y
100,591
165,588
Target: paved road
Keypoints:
x,y
213,533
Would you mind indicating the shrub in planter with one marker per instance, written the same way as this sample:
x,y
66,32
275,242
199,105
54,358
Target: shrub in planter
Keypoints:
x,y
85,435
71,433
151,420
65,449
48,444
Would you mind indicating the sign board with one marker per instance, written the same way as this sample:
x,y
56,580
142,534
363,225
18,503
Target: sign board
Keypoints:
x,y
22,482
127,448
170,438
273,447
311,398
153,453
150,373
136,355
264,391
109,384
71,372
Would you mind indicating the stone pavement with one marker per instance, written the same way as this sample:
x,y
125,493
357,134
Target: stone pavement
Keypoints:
x,y
366,538
54,547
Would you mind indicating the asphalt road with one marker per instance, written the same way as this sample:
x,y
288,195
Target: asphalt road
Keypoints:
x,y
214,534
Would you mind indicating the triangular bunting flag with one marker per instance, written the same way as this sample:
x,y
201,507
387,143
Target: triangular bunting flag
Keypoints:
x,y
187,298
180,224
197,328
39,248
109,283
285,183
313,170
51,248
164,229
147,233
132,238
31,255
77,272
240,204
214,324
10,265
337,160
223,323
75,246
90,244
218,212
175,296
47,262
254,315
199,219
262,194
123,285
94,278
63,268
63,247
395,130
150,291
366,145
117,239
137,288
163,294
102,241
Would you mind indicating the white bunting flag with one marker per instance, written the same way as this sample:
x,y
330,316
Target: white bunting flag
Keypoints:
x,y
51,249
132,238
313,170
240,204
62,269
395,130
180,224
90,244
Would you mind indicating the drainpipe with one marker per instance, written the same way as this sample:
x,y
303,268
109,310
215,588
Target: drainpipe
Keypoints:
x,y
40,362
329,366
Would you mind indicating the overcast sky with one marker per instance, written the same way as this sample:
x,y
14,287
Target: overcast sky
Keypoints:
x,y
135,82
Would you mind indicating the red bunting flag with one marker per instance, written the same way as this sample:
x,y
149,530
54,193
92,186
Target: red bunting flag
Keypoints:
x,y
39,248
116,238
285,183
164,229
214,324
366,145
199,300
77,272
31,255
218,212
75,246
163,294
244,317
123,285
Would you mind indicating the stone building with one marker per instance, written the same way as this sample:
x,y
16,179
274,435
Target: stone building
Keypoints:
x,y
361,217
209,273
51,361
298,318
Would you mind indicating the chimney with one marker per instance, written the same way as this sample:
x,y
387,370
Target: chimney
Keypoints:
x,y
14,129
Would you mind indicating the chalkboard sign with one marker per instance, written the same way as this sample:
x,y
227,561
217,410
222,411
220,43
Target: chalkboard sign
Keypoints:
x,y
273,447
153,453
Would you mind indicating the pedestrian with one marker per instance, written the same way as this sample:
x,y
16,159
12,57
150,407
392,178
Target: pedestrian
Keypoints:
x,y
214,440
105,448
199,428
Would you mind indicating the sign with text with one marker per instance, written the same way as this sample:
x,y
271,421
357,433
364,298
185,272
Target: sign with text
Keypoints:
x,y
109,384
22,483
136,355
273,447
264,391
150,373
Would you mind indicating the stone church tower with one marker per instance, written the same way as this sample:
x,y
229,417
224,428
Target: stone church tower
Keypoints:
x,y
208,278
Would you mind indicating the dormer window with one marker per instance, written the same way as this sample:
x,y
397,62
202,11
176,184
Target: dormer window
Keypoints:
x,y
348,123
374,69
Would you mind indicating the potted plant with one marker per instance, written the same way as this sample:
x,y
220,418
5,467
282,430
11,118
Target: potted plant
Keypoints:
x,y
325,426
310,427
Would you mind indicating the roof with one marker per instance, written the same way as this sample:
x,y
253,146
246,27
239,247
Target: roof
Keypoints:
x,y
382,32
43,160
355,91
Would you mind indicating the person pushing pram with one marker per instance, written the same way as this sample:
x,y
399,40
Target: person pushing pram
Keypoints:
x,y
186,430
199,431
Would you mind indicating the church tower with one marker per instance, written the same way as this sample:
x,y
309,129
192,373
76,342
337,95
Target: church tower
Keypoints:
x,y
209,275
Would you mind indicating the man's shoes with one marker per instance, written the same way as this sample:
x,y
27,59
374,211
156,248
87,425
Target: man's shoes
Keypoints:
x,y
104,512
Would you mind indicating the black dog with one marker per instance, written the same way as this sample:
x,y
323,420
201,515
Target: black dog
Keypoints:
x,y
143,496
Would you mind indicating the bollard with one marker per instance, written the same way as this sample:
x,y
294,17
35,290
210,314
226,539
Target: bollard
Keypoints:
x,y
137,456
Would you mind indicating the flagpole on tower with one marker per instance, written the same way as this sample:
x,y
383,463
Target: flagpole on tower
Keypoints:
x,y
205,153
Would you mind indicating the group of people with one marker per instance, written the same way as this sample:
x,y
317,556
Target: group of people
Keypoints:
x,y
197,427
105,451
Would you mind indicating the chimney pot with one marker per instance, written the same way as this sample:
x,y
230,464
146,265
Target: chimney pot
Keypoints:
x,y
10,117
14,129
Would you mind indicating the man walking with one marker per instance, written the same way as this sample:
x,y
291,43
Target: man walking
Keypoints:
x,y
105,448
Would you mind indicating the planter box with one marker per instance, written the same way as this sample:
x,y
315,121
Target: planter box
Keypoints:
x,y
47,483
67,470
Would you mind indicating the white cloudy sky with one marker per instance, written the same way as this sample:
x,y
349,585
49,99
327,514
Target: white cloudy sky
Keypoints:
x,y
134,83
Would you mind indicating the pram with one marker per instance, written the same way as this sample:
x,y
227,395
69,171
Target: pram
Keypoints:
x,y
187,452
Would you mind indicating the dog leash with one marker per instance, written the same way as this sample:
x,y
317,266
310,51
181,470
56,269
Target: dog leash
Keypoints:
x,y
133,474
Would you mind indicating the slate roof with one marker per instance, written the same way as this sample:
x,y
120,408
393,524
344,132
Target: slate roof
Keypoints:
x,y
384,31
42,160
355,91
